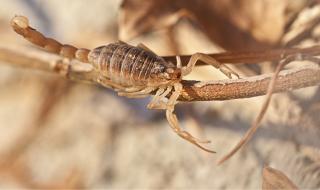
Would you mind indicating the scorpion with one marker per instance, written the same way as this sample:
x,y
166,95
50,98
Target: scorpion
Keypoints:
x,y
132,71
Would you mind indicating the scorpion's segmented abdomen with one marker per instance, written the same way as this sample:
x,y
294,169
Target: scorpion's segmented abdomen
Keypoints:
x,y
124,64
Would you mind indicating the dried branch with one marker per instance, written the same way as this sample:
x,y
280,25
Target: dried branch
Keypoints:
x,y
39,60
192,90
252,57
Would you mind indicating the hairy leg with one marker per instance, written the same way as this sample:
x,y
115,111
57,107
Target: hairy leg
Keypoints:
x,y
174,123
209,60
158,100
136,93
109,84
132,89
158,103
179,64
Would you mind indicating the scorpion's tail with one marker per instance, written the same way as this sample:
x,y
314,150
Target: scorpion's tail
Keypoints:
x,y
20,24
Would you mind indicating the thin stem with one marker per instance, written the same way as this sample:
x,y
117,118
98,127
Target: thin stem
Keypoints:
x,y
192,90
252,57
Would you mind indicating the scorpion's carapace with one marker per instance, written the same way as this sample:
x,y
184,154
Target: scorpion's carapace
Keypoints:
x,y
132,71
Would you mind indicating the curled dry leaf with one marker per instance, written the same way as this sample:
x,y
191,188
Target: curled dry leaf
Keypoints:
x,y
275,179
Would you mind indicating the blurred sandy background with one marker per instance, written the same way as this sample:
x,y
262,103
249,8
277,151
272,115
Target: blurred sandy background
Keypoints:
x,y
62,134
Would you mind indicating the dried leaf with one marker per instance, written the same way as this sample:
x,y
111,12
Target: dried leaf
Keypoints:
x,y
275,179
139,16
234,25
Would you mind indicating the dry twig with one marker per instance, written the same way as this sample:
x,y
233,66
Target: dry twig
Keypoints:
x,y
253,57
192,90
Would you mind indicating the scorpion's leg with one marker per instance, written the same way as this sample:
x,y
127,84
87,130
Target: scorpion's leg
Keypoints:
x,y
209,60
179,64
109,84
157,103
141,93
173,121
132,89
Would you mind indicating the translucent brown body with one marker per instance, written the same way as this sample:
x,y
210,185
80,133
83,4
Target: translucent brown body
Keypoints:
x,y
127,65
132,71
137,71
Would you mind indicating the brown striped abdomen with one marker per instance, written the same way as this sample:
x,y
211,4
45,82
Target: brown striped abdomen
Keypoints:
x,y
125,64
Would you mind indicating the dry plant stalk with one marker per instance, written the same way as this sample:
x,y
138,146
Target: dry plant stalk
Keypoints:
x,y
184,90
218,90
195,90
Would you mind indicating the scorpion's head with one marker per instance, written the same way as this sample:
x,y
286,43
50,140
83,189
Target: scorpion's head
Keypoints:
x,y
166,73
